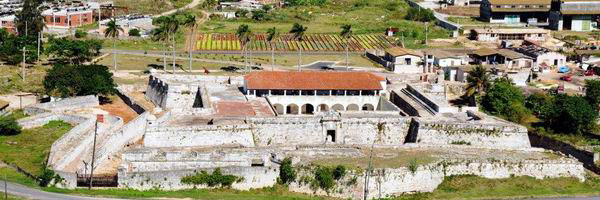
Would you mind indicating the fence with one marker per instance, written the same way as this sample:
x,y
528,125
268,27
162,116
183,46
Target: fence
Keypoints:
x,y
100,180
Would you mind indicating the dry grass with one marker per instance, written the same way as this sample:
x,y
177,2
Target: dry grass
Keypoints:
x,y
382,158
460,11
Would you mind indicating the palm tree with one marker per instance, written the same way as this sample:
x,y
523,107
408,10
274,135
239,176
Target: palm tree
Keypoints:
x,y
172,25
346,33
478,81
244,34
190,22
298,34
113,30
272,35
161,34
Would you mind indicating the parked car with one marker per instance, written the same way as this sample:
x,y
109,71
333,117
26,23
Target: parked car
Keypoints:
x,y
230,68
257,68
567,78
327,68
589,72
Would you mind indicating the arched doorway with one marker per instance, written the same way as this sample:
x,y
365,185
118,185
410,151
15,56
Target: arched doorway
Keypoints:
x,y
352,107
308,109
292,109
278,109
337,107
368,107
323,108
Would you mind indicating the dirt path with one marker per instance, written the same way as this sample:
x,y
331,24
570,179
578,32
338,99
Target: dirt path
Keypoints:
x,y
193,4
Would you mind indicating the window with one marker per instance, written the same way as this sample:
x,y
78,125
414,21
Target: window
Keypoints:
x,y
498,6
408,61
526,6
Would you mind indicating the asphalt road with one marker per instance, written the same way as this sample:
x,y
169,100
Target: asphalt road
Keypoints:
x,y
30,193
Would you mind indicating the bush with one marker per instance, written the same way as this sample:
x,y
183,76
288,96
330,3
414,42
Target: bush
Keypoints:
x,y
47,176
324,178
418,14
592,92
505,100
339,172
9,125
134,32
211,180
80,34
287,174
570,114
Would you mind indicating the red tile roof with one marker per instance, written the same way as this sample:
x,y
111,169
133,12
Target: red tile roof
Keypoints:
x,y
313,80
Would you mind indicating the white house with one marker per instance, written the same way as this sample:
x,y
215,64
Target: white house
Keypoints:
x,y
401,60
542,55
445,58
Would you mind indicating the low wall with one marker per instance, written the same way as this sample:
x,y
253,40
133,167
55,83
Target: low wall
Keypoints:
x,y
62,105
208,135
44,118
484,133
130,102
253,177
390,182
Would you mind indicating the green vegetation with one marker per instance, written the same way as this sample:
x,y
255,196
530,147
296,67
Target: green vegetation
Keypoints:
x,y
151,6
9,125
14,176
79,33
287,173
216,179
73,51
473,187
365,16
324,178
505,100
418,14
29,149
11,47
79,80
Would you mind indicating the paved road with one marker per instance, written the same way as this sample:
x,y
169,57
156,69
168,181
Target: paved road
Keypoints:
x,y
194,3
29,193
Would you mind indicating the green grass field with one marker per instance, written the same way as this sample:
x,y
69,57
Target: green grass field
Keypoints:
x,y
151,6
30,148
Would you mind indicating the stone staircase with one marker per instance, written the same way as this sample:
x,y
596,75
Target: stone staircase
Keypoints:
x,y
422,108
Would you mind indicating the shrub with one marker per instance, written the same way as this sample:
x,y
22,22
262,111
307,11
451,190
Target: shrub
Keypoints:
x,y
287,174
570,114
9,125
79,80
324,178
418,14
211,180
339,172
80,34
47,176
505,100
413,165
134,32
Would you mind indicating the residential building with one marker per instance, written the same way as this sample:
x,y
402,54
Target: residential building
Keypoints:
x,y
401,60
497,35
445,58
576,15
542,56
502,59
69,16
8,22
533,12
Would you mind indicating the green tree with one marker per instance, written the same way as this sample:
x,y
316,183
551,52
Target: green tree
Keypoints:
x,y
78,80
190,22
259,15
538,103
592,92
80,33
9,125
272,35
570,114
298,32
418,14
113,30
287,174
161,34
501,96
29,21
347,34
241,13
134,32
324,177
478,80
73,51
171,24
244,35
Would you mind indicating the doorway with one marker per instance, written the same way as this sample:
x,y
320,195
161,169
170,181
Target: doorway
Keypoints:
x,y
331,134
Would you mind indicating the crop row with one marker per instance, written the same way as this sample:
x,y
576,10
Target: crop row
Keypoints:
x,y
313,42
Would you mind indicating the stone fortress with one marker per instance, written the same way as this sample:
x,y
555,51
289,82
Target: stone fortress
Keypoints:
x,y
246,126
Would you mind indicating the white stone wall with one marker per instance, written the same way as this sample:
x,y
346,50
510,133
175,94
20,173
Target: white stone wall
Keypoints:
x,y
253,177
209,135
315,101
495,134
44,118
65,104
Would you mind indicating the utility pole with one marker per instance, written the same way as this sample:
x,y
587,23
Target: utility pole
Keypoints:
x,y
23,65
98,118
426,31
367,172
26,31
38,46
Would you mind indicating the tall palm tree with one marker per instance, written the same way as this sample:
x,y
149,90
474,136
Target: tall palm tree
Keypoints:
x,y
478,81
272,35
298,34
244,35
161,34
113,30
172,25
346,33
190,22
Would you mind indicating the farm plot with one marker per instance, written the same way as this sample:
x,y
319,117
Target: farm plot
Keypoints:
x,y
312,42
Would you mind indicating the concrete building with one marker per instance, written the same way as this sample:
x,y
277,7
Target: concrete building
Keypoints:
x,y
532,12
445,58
308,92
69,16
401,60
542,56
497,35
575,15
503,59
8,22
